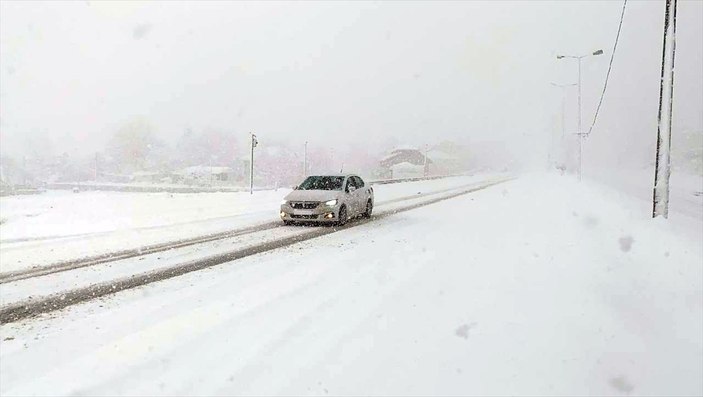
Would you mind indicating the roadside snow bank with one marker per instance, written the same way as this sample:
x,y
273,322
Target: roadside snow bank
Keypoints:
x,y
686,190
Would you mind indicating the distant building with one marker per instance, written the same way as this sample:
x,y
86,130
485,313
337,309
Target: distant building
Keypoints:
x,y
151,177
406,161
403,155
444,163
206,175
406,170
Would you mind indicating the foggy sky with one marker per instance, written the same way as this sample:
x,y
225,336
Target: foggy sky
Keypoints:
x,y
332,73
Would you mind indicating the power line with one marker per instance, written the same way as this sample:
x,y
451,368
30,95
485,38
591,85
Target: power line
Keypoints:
x,y
610,66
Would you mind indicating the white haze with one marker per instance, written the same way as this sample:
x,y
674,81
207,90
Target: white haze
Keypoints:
x,y
334,73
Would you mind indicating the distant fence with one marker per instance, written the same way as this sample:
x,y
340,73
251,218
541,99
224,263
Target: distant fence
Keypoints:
x,y
207,189
150,188
414,179
18,192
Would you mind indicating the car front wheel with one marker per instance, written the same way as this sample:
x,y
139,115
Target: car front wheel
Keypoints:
x,y
369,209
342,218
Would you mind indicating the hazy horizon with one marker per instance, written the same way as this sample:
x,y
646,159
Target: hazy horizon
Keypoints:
x,y
336,74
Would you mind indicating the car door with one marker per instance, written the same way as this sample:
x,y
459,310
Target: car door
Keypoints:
x,y
350,196
362,192
365,194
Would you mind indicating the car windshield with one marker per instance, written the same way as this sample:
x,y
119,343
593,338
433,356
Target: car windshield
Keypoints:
x,y
322,183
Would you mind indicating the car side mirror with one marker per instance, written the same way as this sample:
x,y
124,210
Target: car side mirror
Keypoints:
x,y
295,187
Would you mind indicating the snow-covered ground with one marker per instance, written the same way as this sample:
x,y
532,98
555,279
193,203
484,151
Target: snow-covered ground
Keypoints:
x,y
62,225
686,190
59,213
538,286
26,291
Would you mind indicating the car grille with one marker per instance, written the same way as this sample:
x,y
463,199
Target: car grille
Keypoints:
x,y
304,205
303,216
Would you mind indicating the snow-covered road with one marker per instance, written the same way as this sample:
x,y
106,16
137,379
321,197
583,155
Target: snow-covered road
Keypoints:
x,y
46,289
60,226
538,286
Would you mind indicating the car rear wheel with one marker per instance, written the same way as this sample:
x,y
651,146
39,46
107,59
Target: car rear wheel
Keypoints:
x,y
342,218
369,209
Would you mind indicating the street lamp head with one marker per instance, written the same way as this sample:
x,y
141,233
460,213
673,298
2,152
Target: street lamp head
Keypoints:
x,y
598,52
560,56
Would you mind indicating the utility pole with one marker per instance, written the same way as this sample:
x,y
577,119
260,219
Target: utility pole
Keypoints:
x,y
305,160
580,133
96,166
662,170
254,142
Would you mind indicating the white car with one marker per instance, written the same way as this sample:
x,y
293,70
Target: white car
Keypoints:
x,y
328,199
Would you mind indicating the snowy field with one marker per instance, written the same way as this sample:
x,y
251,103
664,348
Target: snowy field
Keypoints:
x,y
59,213
686,192
537,286
61,225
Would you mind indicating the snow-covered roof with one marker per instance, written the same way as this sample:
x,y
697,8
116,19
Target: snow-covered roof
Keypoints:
x,y
406,166
395,151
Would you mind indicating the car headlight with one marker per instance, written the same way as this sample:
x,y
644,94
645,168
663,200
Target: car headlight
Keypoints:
x,y
331,203
284,202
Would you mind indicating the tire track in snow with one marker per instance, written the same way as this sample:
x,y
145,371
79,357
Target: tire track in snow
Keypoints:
x,y
156,227
114,256
30,308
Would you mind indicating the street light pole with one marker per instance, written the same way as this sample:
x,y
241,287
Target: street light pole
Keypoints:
x,y
580,133
254,142
580,136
